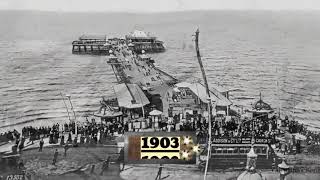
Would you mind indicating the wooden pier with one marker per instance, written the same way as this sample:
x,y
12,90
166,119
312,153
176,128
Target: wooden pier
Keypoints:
x,y
91,45
100,45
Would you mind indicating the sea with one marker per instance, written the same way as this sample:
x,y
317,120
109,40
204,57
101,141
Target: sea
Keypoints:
x,y
275,53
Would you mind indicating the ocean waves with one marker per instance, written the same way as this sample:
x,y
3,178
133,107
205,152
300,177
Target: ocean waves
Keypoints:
x,y
242,52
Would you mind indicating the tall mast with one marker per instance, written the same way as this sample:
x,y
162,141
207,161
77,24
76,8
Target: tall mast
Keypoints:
x,y
294,103
209,100
278,94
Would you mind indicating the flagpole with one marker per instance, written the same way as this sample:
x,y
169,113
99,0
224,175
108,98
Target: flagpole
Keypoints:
x,y
209,101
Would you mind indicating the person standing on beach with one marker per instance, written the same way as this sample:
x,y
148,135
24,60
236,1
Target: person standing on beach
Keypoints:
x,y
41,144
17,142
105,166
21,145
51,137
75,141
14,149
20,164
92,169
55,157
66,147
158,177
121,158
62,140
69,138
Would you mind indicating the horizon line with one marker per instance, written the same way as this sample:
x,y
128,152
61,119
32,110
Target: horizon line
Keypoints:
x,y
159,12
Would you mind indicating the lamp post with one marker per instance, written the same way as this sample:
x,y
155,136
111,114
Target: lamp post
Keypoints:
x,y
74,114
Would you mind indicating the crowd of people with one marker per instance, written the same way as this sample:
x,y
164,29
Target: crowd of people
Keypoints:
x,y
64,134
92,132
312,138
35,133
295,126
233,128
9,136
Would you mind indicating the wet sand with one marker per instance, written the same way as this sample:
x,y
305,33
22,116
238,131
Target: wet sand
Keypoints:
x,y
180,173
79,161
76,165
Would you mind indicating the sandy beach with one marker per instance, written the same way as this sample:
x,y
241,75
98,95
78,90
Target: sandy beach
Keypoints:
x,y
183,173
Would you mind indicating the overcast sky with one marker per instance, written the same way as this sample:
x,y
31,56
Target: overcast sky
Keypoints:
x,y
156,5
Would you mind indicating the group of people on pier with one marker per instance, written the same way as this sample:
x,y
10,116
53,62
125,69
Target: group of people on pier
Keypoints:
x,y
9,136
93,132
233,129
87,133
34,133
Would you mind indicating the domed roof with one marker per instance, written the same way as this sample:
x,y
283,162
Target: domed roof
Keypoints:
x,y
251,173
261,105
246,175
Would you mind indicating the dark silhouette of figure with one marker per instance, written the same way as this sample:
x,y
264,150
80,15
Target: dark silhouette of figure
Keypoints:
x,y
158,177
66,147
105,166
121,158
69,138
55,157
62,140
20,164
21,145
41,145
92,169
75,142
14,149
82,138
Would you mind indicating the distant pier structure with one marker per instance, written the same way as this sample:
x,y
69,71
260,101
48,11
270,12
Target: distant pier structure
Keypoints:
x,y
100,44
141,40
91,44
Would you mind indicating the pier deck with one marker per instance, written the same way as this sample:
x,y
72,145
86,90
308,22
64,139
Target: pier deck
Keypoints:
x,y
90,47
